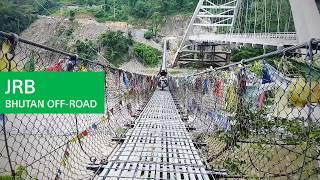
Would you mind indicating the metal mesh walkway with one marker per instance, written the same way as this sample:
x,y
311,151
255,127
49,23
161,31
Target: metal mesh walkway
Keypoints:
x,y
158,147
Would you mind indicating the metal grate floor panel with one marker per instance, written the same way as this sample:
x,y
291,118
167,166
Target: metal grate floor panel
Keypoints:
x,y
157,147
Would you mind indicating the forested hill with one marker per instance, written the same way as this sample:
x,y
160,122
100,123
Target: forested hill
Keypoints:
x,y
17,15
140,8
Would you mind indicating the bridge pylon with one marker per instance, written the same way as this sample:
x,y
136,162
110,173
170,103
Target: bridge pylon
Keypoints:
x,y
306,19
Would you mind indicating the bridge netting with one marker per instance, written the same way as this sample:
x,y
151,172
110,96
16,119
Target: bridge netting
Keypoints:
x,y
260,117
62,146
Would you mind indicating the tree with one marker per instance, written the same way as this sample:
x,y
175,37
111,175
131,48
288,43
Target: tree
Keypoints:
x,y
245,53
148,35
157,20
90,2
72,15
86,49
116,46
132,2
130,38
141,9
106,6
149,56
15,18
180,4
166,6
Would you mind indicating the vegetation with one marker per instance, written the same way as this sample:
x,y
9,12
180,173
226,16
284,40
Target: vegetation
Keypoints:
x,y
256,68
147,12
30,64
116,46
16,16
137,8
156,21
147,55
254,134
21,173
72,15
86,49
245,53
250,159
256,143
148,35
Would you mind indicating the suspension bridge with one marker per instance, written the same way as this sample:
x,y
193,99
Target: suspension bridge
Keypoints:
x,y
215,25
254,119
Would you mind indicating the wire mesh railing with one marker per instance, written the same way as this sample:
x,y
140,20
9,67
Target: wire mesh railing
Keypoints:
x,y
259,118
64,146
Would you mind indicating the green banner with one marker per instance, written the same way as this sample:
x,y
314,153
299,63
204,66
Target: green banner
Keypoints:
x,y
52,92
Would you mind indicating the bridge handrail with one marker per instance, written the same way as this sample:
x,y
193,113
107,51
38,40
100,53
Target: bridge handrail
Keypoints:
x,y
25,41
278,35
275,35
